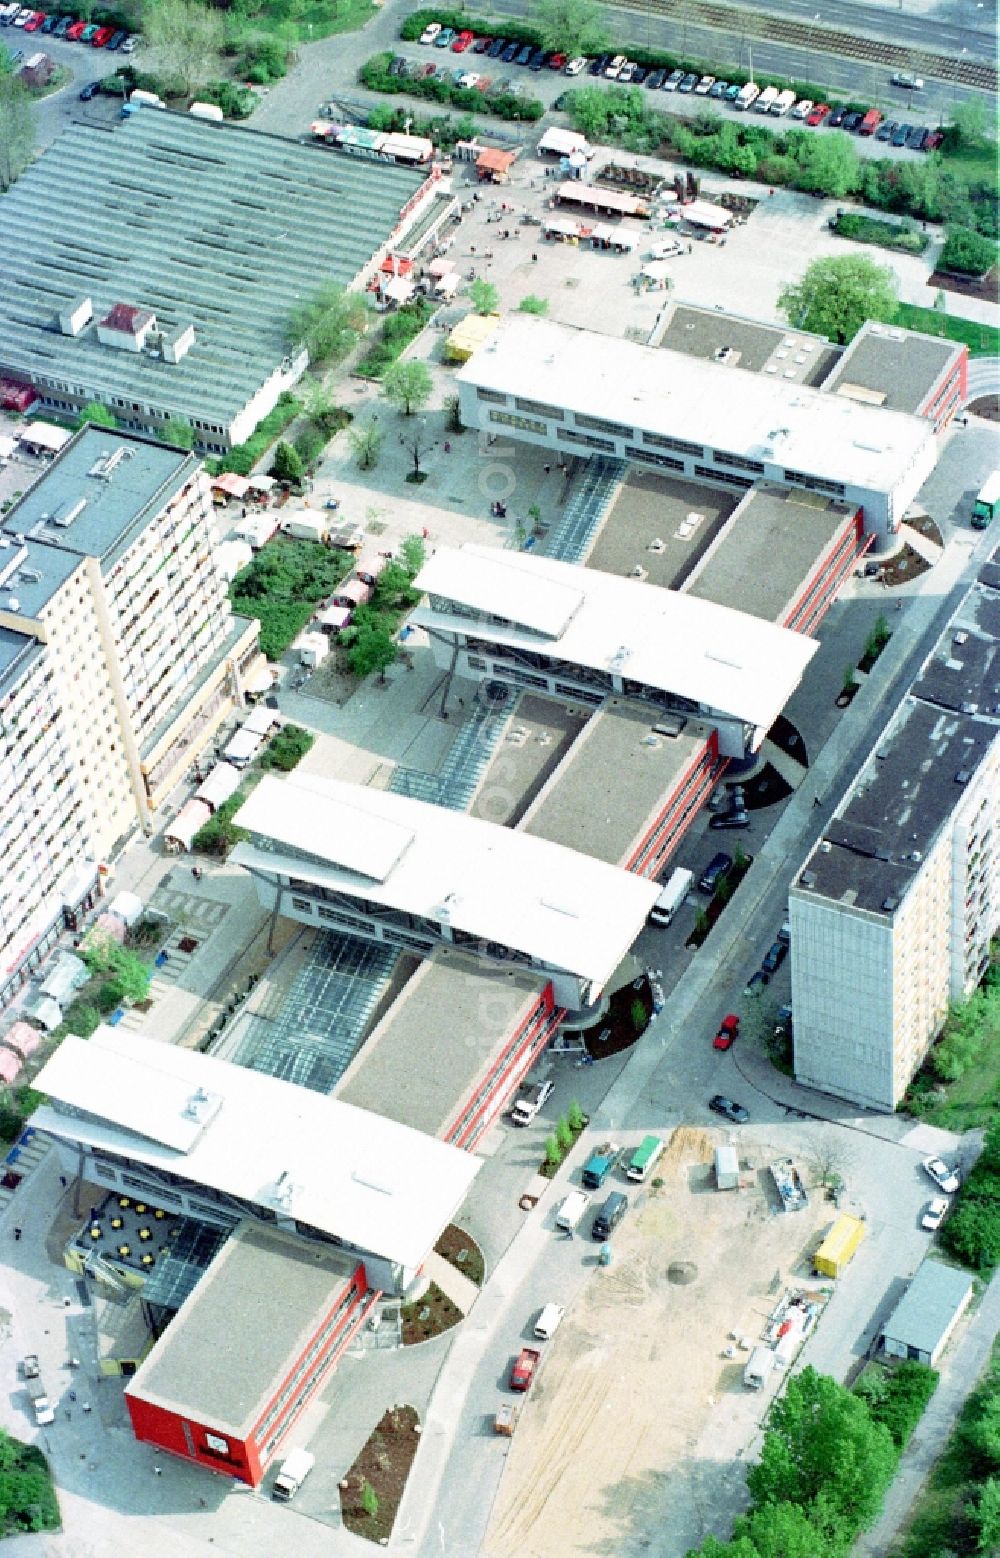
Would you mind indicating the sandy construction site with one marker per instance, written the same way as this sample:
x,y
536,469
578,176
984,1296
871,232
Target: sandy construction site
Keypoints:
x,y
637,1421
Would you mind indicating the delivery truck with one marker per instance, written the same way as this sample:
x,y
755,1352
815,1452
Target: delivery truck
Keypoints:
x,y
295,1468
571,1210
984,510
305,527
37,1394
838,1248
672,895
758,1369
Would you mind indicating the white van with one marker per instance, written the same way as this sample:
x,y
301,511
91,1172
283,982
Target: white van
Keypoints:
x,y
782,103
675,890
748,95
766,101
571,1210
548,1322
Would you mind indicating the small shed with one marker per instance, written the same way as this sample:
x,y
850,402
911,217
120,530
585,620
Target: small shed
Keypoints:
x,y
127,907
46,1012
37,70
927,1313
470,333
261,721
180,833
563,143
352,593
43,438
493,166
838,1248
727,1168
221,783
333,619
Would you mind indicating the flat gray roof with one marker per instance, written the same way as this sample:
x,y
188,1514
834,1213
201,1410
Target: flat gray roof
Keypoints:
x,y
703,332
540,732
612,784
963,670
648,512
213,225
929,1305
768,549
112,484
248,1319
899,801
901,366
437,1039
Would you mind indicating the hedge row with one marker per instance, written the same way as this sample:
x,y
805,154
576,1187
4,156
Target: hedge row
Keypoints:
x,y
374,74
887,235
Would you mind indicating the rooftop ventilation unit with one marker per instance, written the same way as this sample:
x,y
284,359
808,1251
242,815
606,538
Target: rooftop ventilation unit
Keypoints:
x,y
963,776
889,904
65,520
825,846
13,604
807,879
194,1109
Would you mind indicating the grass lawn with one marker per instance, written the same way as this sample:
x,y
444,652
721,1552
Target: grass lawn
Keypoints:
x,y
982,340
317,19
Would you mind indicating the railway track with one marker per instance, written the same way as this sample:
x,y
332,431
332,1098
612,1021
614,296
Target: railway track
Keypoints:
x,y
822,40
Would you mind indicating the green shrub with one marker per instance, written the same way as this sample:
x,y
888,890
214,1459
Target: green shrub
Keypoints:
x,y
309,444
288,748
244,457
968,253
896,1397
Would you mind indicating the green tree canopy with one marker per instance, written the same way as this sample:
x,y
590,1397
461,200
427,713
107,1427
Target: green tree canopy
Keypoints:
x,y
485,296
826,164
329,324
287,463
571,26
407,385
836,296
366,441
822,1443
97,414
185,40
533,305
17,128
373,650
175,431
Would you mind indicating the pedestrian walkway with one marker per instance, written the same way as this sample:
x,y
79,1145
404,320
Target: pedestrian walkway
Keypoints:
x,y
924,547
452,1282
960,1369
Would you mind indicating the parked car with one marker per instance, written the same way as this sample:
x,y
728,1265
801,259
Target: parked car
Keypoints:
x,y
525,54
132,42
7,14
817,114
785,933
688,83
732,91
916,138
468,79
934,1213
730,819
728,1032
511,52
803,108
49,24
445,38
852,122
598,66
576,66
426,71
932,141
655,80
117,38
90,90
34,22
482,45
396,65
523,1368
719,89
102,37
462,41
900,134
757,982
673,81
557,61
533,1098
837,118
483,83
539,59
627,72
639,74
87,35
716,868
730,1111
704,86
945,1178
430,32
885,130
23,17
774,957
496,48
615,66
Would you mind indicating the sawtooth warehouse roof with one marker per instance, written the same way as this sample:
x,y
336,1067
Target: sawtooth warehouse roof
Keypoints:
x,y
654,391
368,1181
721,659
197,222
558,907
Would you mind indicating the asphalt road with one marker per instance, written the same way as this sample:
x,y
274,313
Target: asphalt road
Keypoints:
x,y
59,109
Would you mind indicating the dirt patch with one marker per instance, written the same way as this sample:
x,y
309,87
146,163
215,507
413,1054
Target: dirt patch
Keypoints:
x,y
428,1316
377,1479
906,565
460,1250
925,526
984,287
638,1374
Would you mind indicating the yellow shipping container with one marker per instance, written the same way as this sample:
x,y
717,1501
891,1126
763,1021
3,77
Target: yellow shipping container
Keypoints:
x,y
838,1248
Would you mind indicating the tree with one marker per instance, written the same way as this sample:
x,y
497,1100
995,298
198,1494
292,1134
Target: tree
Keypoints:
x,y
186,41
986,1516
821,1441
309,443
826,164
373,650
366,442
564,1133
570,26
484,295
786,1531
836,296
416,441
322,410
408,385
414,553
553,1151
970,121
96,414
17,130
288,748
533,305
329,324
127,972
968,252
177,432
287,463
576,1116
369,1498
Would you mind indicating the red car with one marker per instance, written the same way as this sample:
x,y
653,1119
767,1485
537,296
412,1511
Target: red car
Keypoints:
x,y
102,37
728,1029
557,61
34,22
817,114
75,32
933,141
523,1368
462,42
